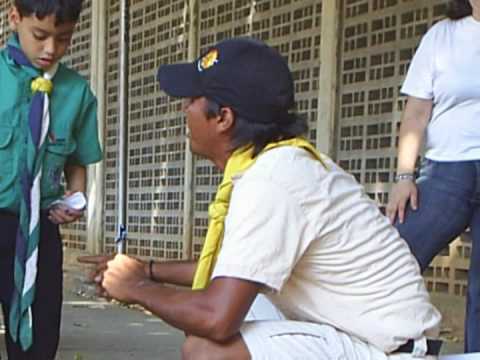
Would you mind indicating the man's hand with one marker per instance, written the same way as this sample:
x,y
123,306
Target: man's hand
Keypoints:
x,y
215,313
96,274
123,276
403,192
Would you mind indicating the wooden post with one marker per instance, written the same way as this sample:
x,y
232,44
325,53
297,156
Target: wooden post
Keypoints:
x,y
187,238
96,181
327,94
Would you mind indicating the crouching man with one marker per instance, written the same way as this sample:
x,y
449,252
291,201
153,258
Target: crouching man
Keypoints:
x,y
286,222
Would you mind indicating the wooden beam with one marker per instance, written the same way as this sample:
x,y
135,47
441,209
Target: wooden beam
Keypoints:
x,y
327,94
95,174
193,49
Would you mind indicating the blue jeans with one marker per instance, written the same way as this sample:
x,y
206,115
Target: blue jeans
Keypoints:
x,y
449,199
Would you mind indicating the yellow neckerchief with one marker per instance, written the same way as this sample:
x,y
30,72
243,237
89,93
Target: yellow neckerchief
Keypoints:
x,y
239,162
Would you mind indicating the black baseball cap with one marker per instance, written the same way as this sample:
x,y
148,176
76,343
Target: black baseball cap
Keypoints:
x,y
242,73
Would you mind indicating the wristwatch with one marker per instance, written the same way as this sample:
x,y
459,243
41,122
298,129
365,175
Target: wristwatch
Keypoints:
x,y
405,176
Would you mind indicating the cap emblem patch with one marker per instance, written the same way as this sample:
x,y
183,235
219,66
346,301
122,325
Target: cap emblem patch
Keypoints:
x,y
208,60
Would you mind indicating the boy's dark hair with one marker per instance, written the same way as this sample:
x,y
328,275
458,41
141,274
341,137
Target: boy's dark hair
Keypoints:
x,y
64,10
458,9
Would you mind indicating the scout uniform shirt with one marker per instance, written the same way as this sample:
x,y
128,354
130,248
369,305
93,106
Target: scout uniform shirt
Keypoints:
x,y
72,137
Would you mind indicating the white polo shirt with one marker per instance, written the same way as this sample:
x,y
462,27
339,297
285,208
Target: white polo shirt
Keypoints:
x,y
446,69
313,237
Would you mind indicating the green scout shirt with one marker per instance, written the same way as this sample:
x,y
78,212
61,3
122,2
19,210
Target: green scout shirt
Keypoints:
x,y
72,137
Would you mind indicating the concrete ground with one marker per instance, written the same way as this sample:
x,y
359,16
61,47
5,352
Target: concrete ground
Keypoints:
x,y
98,330
93,329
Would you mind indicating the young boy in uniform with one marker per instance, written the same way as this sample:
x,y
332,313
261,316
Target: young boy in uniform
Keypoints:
x,y
48,128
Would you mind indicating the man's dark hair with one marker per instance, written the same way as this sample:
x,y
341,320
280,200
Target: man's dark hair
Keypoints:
x,y
64,10
259,134
458,9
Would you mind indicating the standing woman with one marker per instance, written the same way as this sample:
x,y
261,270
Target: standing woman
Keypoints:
x,y
443,88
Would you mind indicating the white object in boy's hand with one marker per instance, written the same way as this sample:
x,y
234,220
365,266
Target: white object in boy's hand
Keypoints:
x,y
76,201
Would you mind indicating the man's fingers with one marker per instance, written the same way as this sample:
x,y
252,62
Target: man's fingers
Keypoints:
x,y
99,290
100,268
92,275
106,296
105,280
89,259
93,259
98,278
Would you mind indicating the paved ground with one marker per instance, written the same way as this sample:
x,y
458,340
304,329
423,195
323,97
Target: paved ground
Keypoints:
x,y
93,329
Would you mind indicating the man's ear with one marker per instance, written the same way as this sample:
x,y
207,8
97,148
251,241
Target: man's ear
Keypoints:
x,y
226,120
14,18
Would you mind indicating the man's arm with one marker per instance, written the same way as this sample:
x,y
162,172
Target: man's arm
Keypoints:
x,y
173,272
170,272
215,313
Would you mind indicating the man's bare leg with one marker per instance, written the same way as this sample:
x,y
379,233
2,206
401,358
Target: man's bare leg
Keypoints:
x,y
196,348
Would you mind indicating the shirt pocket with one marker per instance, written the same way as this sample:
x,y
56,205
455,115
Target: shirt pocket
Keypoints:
x,y
53,165
7,157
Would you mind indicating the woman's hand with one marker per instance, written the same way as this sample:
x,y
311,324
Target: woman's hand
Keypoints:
x,y
403,192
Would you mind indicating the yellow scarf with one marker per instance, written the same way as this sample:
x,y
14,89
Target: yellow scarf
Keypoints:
x,y
239,162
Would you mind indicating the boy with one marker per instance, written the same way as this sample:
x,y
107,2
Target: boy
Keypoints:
x,y
48,127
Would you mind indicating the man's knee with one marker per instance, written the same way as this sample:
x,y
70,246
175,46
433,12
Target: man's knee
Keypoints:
x,y
194,348
202,349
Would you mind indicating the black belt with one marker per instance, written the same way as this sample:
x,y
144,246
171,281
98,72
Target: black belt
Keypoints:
x,y
433,347
7,213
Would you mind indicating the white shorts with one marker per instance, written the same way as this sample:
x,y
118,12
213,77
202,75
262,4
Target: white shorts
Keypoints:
x,y
268,335
289,340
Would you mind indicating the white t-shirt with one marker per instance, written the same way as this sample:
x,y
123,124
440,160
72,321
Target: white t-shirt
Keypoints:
x,y
313,237
446,69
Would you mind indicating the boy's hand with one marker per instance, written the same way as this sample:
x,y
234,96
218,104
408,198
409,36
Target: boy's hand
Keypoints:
x,y
63,215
